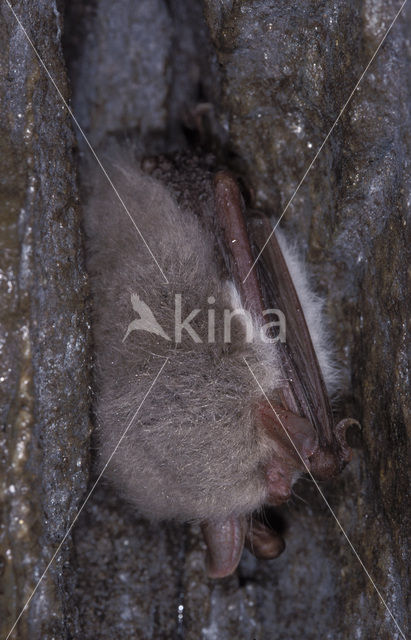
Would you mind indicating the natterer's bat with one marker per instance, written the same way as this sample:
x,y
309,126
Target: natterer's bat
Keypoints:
x,y
207,444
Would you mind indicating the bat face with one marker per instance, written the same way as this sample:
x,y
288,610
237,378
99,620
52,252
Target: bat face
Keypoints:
x,y
234,419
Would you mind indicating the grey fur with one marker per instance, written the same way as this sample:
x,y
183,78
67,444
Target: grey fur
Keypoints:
x,y
312,305
194,451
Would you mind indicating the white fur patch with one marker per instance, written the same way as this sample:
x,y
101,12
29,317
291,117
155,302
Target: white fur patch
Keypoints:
x,y
313,309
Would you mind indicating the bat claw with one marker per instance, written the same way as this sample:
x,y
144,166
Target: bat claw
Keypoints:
x,y
340,435
329,461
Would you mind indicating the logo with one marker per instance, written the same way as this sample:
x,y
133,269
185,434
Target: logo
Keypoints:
x,y
148,322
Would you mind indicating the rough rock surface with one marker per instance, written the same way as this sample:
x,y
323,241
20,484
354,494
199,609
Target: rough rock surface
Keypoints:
x,y
277,75
44,336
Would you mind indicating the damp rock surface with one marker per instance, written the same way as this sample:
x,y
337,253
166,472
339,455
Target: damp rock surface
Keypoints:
x,y
271,79
44,352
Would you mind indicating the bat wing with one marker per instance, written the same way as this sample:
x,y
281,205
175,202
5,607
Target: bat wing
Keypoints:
x,y
304,386
270,286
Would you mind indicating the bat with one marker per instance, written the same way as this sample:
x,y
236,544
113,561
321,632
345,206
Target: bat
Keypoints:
x,y
209,444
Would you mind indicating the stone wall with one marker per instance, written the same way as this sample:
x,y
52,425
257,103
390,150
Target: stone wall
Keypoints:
x,y
275,76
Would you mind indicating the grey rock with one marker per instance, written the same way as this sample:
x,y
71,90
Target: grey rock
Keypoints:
x,y
275,76
44,331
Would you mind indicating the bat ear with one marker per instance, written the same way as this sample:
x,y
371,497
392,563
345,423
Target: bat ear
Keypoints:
x,y
263,541
225,543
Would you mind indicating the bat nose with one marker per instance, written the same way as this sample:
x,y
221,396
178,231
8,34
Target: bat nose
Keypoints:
x,y
279,487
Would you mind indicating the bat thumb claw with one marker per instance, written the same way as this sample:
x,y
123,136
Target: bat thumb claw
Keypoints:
x,y
341,436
